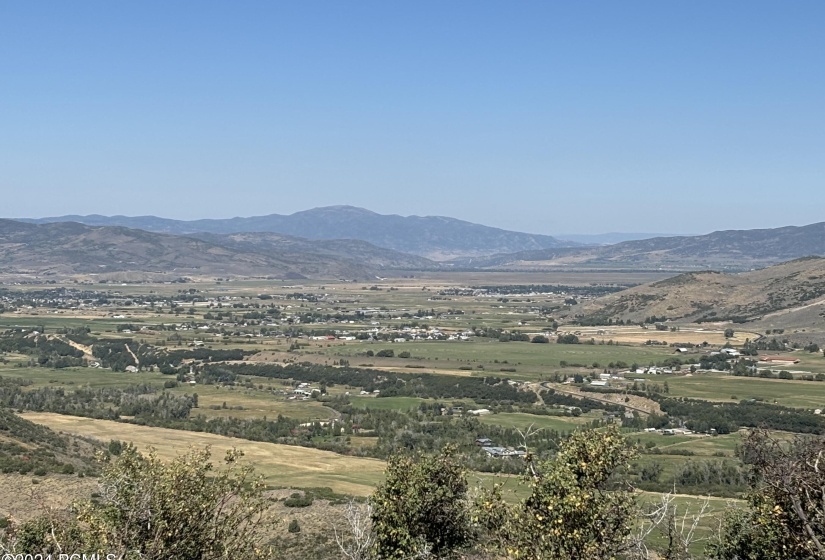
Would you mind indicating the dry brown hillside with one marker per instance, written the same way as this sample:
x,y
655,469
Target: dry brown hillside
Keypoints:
x,y
714,296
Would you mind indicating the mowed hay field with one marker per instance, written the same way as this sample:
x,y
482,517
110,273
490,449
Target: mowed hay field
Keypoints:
x,y
685,335
281,465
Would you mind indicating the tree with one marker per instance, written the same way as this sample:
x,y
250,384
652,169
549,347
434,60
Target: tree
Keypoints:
x,y
568,339
575,509
356,539
153,510
786,517
729,333
421,509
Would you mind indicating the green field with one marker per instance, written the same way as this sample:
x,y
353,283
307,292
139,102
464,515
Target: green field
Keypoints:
x,y
716,387
386,403
531,361
524,421
82,377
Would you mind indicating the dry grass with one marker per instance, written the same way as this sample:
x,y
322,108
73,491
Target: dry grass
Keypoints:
x,y
21,499
637,335
281,465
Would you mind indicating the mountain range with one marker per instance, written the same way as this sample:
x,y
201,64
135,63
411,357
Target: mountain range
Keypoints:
x,y
434,237
720,250
341,240
64,248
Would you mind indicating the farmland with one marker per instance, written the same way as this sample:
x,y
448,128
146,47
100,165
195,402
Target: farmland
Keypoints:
x,y
347,373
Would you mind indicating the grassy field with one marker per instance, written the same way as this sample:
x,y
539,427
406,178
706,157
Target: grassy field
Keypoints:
x,y
701,445
385,403
523,421
281,465
82,377
531,361
715,387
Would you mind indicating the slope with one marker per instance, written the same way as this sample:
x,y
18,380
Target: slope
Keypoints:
x,y
434,237
714,296
72,248
733,250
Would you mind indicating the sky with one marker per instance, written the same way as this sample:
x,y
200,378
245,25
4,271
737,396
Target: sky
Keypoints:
x,y
538,116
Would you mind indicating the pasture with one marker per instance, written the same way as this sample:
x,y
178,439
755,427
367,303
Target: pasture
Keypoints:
x,y
280,465
718,387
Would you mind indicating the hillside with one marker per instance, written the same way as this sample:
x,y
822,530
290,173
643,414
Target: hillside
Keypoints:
x,y
26,447
434,237
714,296
296,248
733,250
72,248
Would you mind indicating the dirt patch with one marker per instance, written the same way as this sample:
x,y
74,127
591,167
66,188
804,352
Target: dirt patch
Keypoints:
x,y
22,499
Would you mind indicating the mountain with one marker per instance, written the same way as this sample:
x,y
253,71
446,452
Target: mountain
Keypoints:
x,y
435,237
722,250
607,238
72,248
713,296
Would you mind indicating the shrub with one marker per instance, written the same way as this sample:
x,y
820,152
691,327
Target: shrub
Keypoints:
x,y
299,500
421,507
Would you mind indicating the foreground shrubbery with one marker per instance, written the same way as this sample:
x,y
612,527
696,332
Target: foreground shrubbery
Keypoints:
x,y
149,509
578,506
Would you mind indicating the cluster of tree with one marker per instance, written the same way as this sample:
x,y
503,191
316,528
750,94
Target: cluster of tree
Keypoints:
x,y
480,389
47,351
702,416
552,397
523,289
722,477
567,339
141,401
719,361
31,448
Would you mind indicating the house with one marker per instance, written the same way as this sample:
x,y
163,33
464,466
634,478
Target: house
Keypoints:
x,y
484,442
479,412
494,451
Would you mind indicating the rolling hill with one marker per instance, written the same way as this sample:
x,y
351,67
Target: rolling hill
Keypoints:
x,y
733,250
434,237
72,248
713,296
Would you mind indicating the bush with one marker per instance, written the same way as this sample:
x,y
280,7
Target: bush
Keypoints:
x,y
540,339
574,509
568,339
421,507
294,526
299,500
181,509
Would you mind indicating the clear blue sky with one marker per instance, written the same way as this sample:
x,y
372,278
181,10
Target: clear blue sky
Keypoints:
x,y
537,116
